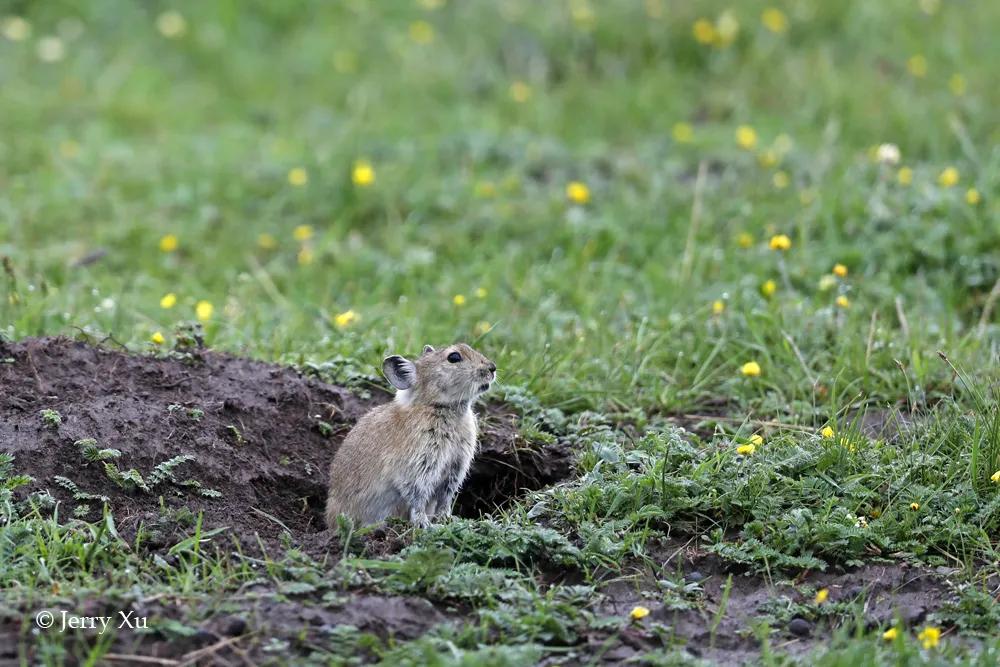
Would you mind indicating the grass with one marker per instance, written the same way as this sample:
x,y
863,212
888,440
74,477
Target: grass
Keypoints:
x,y
221,166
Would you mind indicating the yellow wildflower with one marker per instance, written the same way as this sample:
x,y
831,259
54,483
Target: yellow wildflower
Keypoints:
x,y
904,175
930,7
306,256
157,338
482,328
481,292
638,613
929,637
917,65
972,197
582,13
520,92
171,25
345,319
957,84
768,158
744,240
345,61
827,283
840,270
577,192
750,369
727,28
485,189
458,299
168,301
683,133
914,506
948,177
704,32
302,233
718,306
298,176
774,20
421,32
890,634
69,149
843,302
780,180
746,450
746,137
267,242
16,29
827,432
996,477
362,174
769,288
756,440
780,242
169,243
203,310
821,595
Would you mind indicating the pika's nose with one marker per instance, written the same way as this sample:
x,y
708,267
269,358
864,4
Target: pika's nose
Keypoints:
x,y
492,367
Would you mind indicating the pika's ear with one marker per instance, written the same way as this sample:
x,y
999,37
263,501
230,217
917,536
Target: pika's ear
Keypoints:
x,y
399,371
428,349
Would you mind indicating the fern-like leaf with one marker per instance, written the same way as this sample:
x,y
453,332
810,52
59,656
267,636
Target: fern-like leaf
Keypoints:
x,y
165,471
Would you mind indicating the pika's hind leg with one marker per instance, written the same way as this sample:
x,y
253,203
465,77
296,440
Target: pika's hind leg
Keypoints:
x,y
378,507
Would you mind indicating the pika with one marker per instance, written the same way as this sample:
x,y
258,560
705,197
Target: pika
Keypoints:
x,y
408,458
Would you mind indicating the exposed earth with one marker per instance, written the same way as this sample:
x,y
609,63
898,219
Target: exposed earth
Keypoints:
x,y
261,436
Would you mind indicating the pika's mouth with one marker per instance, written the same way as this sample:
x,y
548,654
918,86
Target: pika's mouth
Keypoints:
x,y
484,387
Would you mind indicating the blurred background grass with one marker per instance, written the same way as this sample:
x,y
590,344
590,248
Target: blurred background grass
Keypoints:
x,y
218,151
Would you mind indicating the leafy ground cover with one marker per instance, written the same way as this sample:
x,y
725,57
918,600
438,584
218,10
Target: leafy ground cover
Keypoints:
x,y
740,260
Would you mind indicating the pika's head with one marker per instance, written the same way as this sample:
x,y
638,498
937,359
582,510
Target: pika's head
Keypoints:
x,y
452,376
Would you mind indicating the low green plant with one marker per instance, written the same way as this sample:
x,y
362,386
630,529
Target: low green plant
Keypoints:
x,y
51,418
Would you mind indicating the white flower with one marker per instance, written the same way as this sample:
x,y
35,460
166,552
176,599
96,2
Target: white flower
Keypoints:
x,y
15,29
887,154
51,49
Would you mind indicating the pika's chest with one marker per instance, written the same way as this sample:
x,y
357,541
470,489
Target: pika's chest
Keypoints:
x,y
442,442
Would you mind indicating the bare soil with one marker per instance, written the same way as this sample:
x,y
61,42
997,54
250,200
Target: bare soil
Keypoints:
x,y
889,592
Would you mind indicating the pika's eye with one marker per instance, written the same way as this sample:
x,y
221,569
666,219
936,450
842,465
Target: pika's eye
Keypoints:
x,y
454,357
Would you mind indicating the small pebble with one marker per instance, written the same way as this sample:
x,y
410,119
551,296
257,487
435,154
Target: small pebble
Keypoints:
x,y
233,626
800,627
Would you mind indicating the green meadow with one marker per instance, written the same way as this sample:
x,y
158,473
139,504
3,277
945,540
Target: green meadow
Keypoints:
x,y
742,258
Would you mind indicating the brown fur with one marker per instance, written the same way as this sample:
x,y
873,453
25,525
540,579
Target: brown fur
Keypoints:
x,y
408,458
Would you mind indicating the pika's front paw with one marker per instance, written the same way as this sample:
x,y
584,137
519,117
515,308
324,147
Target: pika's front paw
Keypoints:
x,y
420,519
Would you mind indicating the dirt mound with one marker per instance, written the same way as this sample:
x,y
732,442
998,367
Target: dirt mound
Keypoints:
x,y
261,437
